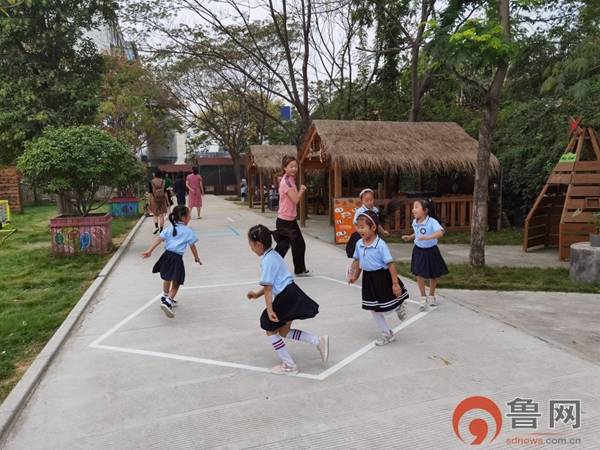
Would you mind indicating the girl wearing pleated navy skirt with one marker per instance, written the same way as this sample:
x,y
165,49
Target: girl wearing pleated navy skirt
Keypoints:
x,y
170,265
382,290
285,302
427,262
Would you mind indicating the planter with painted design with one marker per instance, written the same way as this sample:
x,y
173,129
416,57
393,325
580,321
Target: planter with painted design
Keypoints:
x,y
75,235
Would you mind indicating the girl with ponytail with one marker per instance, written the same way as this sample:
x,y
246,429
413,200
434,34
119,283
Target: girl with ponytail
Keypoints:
x,y
284,301
170,265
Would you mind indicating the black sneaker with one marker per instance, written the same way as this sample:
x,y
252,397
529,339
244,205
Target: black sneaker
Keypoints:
x,y
303,274
174,303
156,230
167,307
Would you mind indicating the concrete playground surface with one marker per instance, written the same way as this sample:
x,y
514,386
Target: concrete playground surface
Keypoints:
x,y
129,378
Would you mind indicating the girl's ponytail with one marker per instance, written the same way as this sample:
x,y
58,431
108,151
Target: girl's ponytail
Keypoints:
x,y
431,212
173,222
178,213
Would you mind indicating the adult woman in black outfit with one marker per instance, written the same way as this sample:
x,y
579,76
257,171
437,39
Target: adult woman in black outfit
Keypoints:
x,y
287,225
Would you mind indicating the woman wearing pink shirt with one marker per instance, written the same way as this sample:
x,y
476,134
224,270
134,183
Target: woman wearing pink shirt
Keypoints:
x,y
290,233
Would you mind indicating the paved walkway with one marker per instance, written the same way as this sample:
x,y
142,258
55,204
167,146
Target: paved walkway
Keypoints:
x,y
129,378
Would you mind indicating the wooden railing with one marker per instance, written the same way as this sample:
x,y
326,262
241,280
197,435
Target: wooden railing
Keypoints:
x,y
455,212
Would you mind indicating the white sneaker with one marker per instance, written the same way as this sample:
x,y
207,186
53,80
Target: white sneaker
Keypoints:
x,y
385,339
402,312
423,303
167,307
323,348
285,369
433,302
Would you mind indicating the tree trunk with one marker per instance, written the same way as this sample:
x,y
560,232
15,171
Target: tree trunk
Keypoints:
x,y
480,193
415,87
237,172
65,206
482,172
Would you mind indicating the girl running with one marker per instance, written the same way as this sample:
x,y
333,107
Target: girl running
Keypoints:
x,y
285,302
427,262
290,234
170,264
382,289
367,200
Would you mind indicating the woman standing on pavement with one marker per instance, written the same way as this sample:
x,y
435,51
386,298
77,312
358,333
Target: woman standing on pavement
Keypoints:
x,y
159,204
196,190
287,225
180,189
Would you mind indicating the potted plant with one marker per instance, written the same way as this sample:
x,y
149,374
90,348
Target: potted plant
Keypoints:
x,y
127,202
595,237
82,165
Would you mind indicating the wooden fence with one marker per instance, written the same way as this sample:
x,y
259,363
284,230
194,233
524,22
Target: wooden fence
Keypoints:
x,y
455,212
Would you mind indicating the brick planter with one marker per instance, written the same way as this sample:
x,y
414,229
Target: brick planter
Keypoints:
x,y
124,206
74,235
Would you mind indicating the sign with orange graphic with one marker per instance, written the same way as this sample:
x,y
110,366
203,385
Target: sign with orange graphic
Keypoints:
x,y
343,217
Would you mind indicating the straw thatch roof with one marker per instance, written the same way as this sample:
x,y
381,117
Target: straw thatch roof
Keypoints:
x,y
403,146
268,158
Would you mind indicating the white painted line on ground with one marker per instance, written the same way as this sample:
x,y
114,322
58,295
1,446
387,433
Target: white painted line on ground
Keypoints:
x,y
320,377
210,362
133,315
230,219
370,346
209,286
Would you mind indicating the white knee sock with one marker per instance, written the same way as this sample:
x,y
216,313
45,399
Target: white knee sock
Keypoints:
x,y
381,322
281,349
303,336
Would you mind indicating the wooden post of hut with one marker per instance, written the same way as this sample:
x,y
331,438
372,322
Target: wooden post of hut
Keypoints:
x,y
330,194
262,192
337,180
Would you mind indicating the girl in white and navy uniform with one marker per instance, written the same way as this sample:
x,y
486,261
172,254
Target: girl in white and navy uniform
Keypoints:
x,y
284,301
427,262
382,289
367,200
170,265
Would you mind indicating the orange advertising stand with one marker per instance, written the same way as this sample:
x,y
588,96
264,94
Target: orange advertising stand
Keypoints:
x,y
343,216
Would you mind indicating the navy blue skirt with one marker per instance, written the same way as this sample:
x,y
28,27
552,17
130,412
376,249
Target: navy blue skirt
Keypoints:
x,y
428,262
171,268
290,304
377,292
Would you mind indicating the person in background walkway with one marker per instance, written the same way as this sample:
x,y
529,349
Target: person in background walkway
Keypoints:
x,y
168,188
367,203
427,262
287,225
170,265
272,197
382,289
285,302
159,205
243,189
196,189
180,189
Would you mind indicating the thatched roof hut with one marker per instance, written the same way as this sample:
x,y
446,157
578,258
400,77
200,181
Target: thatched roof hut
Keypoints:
x,y
403,146
267,158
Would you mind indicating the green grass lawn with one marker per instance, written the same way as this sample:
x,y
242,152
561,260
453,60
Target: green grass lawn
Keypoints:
x,y
37,290
502,237
463,276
